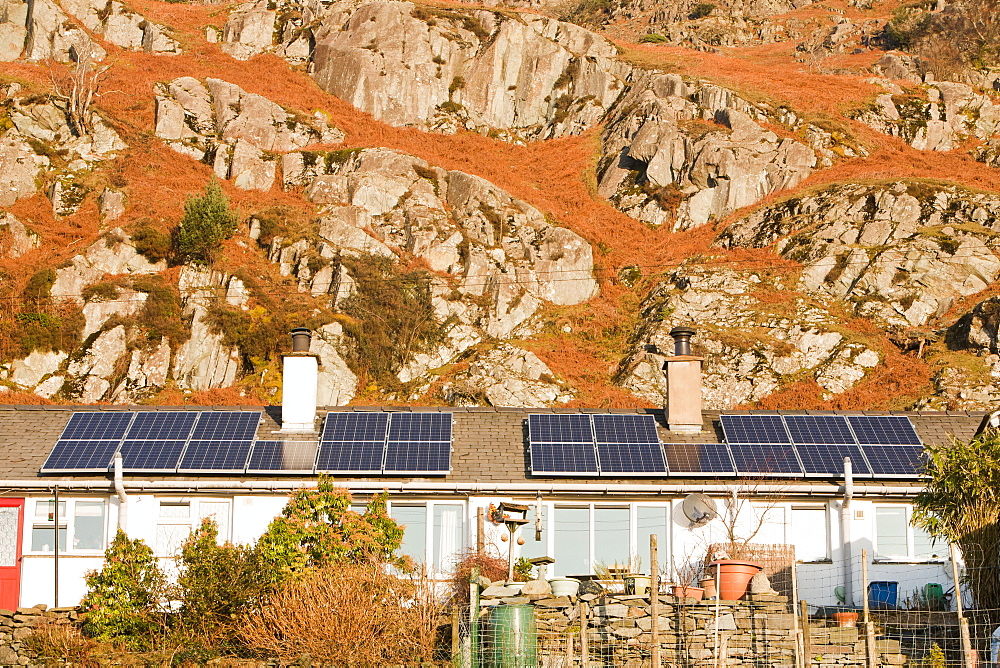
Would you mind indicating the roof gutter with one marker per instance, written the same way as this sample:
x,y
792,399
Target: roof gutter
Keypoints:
x,y
472,488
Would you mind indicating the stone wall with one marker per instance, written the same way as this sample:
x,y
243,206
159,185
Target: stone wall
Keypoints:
x,y
16,625
616,628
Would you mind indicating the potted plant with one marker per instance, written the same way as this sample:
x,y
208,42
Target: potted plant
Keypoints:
x,y
687,575
845,618
733,576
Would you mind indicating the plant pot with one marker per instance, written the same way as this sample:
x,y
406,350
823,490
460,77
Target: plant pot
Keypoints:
x,y
845,619
564,586
680,591
637,584
708,584
734,576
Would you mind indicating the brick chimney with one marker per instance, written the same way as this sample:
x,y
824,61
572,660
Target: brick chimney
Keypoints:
x,y
299,380
683,370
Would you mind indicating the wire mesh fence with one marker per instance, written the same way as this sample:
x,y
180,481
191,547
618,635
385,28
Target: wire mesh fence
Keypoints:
x,y
866,613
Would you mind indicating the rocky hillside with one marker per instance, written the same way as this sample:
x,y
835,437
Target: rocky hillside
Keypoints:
x,y
507,206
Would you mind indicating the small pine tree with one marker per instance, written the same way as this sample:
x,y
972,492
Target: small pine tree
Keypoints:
x,y
207,222
123,598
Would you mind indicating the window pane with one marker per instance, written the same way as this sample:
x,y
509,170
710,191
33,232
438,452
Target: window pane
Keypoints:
x,y
414,522
45,510
169,538
652,520
924,546
43,540
535,548
448,531
809,534
769,523
572,537
218,511
890,532
611,537
88,525
168,509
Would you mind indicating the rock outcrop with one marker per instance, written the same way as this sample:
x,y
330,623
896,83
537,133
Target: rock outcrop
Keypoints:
x,y
900,253
937,116
505,376
751,349
516,76
681,152
16,238
112,254
240,134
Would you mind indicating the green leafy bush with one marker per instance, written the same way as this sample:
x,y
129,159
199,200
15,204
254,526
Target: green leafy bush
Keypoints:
x,y
216,584
124,597
318,528
207,222
153,244
701,10
653,38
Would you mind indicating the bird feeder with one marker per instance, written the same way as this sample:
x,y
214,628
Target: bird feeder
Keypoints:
x,y
514,517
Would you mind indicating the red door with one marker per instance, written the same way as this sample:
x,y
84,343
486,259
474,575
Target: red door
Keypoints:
x,y
11,518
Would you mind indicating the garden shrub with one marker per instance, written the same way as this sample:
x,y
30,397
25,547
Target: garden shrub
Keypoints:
x,y
124,598
207,222
317,528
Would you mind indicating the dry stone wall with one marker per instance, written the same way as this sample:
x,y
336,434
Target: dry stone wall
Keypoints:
x,y
16,625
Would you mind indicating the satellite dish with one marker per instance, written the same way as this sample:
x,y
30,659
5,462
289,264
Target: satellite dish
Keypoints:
x,y
699,508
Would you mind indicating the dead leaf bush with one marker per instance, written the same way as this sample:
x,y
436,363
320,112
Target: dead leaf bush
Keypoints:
x,y
348,615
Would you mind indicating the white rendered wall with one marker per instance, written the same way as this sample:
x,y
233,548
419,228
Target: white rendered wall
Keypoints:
x,y
300,375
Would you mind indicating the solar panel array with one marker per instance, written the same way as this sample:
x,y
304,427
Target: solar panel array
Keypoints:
x,y
756,445
225,442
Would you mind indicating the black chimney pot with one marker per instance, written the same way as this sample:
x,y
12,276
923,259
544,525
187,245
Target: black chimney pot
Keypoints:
x,y
682,340
301,336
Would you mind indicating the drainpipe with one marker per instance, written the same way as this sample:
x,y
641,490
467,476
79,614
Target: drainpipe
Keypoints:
x,y
122,496
845,531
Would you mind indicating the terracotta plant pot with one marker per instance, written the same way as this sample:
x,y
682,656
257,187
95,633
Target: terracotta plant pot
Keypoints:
x,y
734,576
708,584
845,619
680,591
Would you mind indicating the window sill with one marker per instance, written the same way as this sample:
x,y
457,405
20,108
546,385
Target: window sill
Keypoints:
x,y
906,561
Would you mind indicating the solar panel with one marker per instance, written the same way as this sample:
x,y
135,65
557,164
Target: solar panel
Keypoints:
x,y
350,456
905,461
563,458
78,455
765,459
215,456
420,427
97,426
631,458
754,429
283,457
346,427
698,458
226,426
161,426
827,429
418,456
883,430
625,429
828,460
560,428
151,455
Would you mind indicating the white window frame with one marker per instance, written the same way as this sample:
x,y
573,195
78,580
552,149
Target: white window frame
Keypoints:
x,y
66,521
910,556
638,545
193,520
430,538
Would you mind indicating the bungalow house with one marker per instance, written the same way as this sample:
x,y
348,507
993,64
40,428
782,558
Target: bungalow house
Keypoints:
x,y
596,483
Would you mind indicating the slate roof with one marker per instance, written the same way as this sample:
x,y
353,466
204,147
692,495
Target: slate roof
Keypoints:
x,y
490,444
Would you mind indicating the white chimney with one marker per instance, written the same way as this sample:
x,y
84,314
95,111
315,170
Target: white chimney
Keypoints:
x,y
299,379
683,370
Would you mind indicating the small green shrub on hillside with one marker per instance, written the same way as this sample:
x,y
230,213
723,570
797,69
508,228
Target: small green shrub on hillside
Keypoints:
x,y
701,10
153,244
391,317
653,38
207,222
123,598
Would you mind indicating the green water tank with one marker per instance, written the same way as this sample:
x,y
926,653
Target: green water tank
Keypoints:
x,y
512,640
934,595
